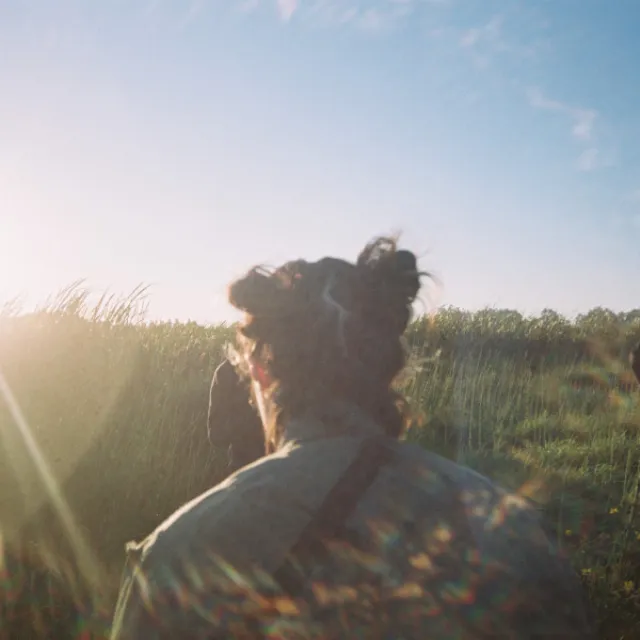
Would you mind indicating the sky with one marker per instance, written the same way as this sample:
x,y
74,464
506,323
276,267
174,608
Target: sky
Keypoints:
x,y
177,143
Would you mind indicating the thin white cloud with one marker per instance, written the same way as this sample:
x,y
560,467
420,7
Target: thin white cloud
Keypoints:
x,y
348,15
381,18
375,19
372,20
372,16
489,33
588,160
401,9
150,8
248,6
286,9
404,8
485,42
194,9
583,130
583,119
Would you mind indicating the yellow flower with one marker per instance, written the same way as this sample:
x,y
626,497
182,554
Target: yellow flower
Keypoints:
x,y
629,586
613,510
586,572
568,532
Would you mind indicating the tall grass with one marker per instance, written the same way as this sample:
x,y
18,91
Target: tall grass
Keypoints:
x,y
117,408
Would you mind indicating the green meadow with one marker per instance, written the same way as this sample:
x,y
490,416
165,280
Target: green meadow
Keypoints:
x,y
103,435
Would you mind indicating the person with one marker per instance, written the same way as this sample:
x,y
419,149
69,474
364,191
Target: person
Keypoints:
x,y
343,530
233,424
634,359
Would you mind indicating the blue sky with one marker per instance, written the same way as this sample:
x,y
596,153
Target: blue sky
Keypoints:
x,y
178,143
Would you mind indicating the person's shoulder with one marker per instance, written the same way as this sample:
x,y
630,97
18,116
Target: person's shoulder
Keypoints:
x,y
432,464
210,509
195,546
173,534
492,508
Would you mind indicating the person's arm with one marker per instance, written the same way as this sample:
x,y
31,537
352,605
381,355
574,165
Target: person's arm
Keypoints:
x,y
223,383
161,600
138,613
634,359
233,424
554,602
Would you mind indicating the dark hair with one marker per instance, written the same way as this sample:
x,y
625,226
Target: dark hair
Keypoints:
x,y
331,329
233,423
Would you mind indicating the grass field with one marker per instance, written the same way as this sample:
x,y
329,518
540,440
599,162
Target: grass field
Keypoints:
x,y
117,411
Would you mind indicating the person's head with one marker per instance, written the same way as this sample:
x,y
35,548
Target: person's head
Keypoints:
x,y
320,331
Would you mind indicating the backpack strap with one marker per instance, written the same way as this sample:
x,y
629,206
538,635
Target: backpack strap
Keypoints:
x,y
330,518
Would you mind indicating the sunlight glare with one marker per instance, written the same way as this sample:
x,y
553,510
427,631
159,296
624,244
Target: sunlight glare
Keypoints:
x,y
89,566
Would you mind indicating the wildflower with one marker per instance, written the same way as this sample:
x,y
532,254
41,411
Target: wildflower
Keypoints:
x,y
629,586
586,572
568,532
613,510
